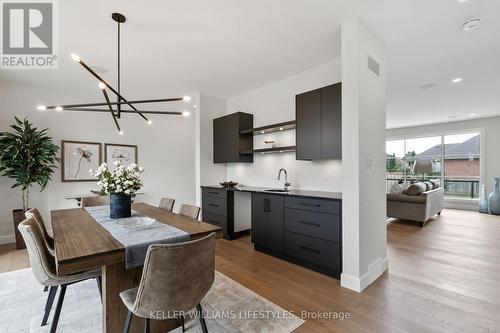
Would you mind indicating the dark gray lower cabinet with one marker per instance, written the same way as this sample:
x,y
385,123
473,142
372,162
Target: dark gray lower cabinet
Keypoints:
x,y
218,209
268,221
306,231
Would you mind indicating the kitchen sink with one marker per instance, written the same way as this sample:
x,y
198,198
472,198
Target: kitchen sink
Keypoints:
x,y
277,190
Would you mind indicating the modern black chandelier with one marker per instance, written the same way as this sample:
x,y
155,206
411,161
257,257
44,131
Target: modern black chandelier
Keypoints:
x,y
121,101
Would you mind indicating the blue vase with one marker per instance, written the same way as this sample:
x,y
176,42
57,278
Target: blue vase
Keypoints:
x,y
494,198
120,206
483,201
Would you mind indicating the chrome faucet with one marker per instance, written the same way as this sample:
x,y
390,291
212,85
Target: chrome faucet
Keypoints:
x,y
287,184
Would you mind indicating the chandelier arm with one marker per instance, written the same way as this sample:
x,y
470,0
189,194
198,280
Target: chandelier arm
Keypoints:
x,y
91,71
50,107
168,113
111,110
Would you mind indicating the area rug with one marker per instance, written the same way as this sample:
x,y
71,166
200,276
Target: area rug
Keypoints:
x,y
228,306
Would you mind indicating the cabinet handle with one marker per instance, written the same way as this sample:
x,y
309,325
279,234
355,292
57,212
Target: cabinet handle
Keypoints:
x,y
213,192
310,223
309,204
267,205
213,205
309,249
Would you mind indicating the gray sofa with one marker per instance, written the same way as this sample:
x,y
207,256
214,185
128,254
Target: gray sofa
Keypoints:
x,y
419,208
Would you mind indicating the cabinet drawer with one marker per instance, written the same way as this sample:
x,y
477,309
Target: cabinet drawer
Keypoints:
x,y
214,205
318,225
313,250
218,220
215,192
317,205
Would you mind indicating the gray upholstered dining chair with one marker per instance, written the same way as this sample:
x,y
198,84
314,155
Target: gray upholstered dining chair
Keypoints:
x,y
49,242
175,278
43,267
100,200
190,211
167,203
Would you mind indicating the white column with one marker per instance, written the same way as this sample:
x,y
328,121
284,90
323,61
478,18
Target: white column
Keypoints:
x,y
363,157
207,173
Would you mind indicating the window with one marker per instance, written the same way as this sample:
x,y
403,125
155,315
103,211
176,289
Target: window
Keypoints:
x,y
453,159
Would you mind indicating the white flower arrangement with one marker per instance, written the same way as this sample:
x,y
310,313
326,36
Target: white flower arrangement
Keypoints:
x,y
121,180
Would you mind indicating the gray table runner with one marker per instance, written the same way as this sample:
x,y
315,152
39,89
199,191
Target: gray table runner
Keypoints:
x,y
136,239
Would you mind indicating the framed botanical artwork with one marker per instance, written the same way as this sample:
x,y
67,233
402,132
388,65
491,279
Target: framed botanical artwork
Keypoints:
x,y
77,158
127,154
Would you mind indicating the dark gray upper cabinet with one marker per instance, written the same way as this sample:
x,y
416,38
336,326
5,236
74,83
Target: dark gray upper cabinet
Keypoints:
x,y
319,123
229,142
268,221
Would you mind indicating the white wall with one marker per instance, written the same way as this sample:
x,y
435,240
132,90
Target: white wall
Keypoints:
x,y
275,103
364,231
490,162
166,150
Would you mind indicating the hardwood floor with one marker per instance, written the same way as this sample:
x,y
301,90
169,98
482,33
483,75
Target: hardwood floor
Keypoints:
x,y
442,278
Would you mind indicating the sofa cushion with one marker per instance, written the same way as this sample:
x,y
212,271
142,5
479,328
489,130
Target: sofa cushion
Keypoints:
x,y
419,199
429,185
416,189
436,183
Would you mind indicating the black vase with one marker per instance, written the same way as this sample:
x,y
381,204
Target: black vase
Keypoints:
x,y
120,206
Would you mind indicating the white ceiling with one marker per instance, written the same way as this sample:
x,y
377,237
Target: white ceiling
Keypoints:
x,y
227,47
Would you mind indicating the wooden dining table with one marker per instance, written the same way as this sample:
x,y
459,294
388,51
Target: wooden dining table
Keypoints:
x,y
81,243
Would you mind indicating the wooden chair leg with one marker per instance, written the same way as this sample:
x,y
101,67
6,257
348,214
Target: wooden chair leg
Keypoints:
x,y
202,319
48,305
46,288
146,325
183,322
60,301
128,319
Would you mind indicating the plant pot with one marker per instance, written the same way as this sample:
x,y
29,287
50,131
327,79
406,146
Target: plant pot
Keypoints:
x,y
494,198
19,217
120,206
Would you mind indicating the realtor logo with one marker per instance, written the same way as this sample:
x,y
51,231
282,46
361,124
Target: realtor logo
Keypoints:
x,y
28,35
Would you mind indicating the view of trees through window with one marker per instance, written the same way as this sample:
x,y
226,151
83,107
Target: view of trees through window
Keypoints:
x,y
453,159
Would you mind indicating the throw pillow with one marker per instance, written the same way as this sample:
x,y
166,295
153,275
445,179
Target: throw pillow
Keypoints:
x,y
429,185
436,183
396,188
416,189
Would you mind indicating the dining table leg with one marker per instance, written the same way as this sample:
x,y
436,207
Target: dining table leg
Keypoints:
x,y
115,279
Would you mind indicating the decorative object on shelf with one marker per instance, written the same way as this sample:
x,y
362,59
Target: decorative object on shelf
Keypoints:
x,y
269,143
494,198
28,156
77,158
483,201
127,154
120,183
121,101
228,184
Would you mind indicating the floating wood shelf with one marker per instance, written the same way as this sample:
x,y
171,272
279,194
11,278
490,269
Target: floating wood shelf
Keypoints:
x,y
287,125
270,150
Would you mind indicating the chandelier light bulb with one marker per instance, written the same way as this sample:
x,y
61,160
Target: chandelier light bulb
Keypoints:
x,y
75,57
186,113
41,107
120,132
102,85
149,122
58,108
186,98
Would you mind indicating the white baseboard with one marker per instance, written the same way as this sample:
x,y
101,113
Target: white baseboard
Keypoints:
x,y
7,239
376,269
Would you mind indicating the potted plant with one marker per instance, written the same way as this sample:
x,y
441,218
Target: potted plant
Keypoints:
x,y
120,183
28,156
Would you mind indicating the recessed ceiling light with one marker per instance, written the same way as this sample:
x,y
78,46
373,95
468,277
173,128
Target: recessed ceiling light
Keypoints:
x,y
462,1
41,107
471,24
457,80
195,106
472,114
427,86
